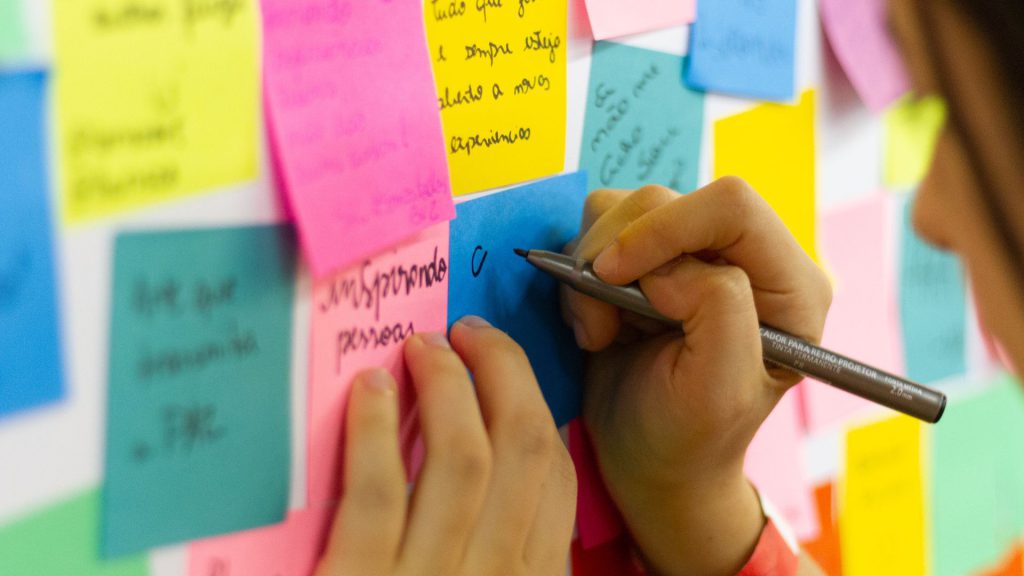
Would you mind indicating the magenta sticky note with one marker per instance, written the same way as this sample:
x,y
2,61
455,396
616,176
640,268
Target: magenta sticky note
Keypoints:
x,y
291,548
859,35
775,466
858,250
361,317
612,18
597,519
355,123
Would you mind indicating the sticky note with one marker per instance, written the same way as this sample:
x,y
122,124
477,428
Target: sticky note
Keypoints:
x,y
912,127
155,101
356,129
1011,564
13,36
744,48
772,147
611,18
291,548
491,281
612,559
933,307
31,369
62,539
881,511
775,466
361,318
977,501
858,247
597,519
642,125
825,548
500,75
859,35
198,412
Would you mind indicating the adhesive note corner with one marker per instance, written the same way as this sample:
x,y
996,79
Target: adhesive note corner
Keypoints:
x,y
154,102
198,438
612,18
361,155
500,71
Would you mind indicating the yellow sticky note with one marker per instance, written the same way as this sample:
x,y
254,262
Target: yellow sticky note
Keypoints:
x,y
155,100
911,129
500,74
881,514
772,147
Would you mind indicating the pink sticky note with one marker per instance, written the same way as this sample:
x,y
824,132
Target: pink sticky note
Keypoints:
x,y
597,519
775,465
859,35
611,18
355,122
291,548
857,243
361,317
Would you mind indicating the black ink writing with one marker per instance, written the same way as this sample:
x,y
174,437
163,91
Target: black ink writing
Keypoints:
x,y
527,85
128,15
550,42
648,75
187,426
357,339
469,143
475,268
649,160
447,10
152,298
221,12
483,5
614,162
522,7
171,362
491,51
468,96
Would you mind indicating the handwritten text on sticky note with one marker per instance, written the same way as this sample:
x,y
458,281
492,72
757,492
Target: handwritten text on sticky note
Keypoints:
x,y
356,128
361,318
154,101
197,431
500,72
642,125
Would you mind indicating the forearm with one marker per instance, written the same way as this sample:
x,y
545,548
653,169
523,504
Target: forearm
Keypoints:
x,y
710,531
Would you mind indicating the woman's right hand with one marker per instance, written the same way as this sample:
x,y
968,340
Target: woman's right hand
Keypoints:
x,y
671,416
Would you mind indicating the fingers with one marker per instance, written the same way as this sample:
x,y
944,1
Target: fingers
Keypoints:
x,y
551,533
457,469
730,220
523,439
605,214
368,526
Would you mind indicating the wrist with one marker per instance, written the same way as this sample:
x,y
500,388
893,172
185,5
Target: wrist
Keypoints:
x,y
707,527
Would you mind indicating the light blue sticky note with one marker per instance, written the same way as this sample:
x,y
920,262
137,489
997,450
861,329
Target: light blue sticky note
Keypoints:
x,y
13,36
933,308
198,412
978,480
489,280
643,126
30,358
744,48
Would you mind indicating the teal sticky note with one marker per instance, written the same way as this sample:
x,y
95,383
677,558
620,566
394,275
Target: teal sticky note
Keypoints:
x,y
13,37
486,278
31,373
198,410
932,306
642,126
62,540
978,480
744,48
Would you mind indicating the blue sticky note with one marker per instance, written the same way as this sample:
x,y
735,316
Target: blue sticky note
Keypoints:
x,y
489,280
643,126
933,308
744,48
30,358
198,412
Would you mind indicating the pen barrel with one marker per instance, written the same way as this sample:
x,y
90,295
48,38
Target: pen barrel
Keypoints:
x,y
854,377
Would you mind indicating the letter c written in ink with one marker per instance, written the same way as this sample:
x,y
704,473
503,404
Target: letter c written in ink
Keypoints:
x,y
474,267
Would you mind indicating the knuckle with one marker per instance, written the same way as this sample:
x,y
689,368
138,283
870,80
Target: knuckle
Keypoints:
x,y
738,194
649,197
728,283
600,201
376,491
468,461
565,473
533,435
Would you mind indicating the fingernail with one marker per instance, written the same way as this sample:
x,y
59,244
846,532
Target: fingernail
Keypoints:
x,y
582,340
474,322
608,260
435,339
378,381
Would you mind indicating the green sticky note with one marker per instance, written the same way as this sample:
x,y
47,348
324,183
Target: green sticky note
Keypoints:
x,y
911,129
643,126
62,540
13,38
978,479
198,410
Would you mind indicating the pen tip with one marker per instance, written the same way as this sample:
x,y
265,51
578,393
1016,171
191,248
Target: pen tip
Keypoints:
x,y
521,252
